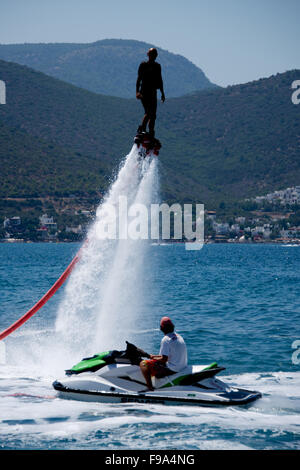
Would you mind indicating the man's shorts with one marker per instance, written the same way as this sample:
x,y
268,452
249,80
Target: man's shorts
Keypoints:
x,y
157,369
149,102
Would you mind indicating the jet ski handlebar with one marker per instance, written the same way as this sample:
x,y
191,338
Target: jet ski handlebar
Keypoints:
x,y
132,349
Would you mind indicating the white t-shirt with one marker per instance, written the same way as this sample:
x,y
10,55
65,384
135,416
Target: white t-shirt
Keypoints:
x,y
173,346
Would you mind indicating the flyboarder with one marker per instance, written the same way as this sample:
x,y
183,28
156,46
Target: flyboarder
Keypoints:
x,y
149,80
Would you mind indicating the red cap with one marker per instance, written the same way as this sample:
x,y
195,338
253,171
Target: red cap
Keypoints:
x,y
166,321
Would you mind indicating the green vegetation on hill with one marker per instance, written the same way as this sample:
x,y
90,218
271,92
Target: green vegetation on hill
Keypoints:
x,y
219,146
33,167
108,67
237,142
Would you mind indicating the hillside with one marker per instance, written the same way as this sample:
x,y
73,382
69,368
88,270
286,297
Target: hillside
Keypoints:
x,y
219,145
108,67
239,141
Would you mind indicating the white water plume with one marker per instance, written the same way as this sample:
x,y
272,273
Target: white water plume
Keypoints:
x,y
103,295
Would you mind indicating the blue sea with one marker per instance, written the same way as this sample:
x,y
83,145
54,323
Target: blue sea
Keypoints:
x,y
234,304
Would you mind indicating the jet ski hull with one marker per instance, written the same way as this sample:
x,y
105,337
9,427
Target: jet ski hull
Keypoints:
x,y
115,377
231,398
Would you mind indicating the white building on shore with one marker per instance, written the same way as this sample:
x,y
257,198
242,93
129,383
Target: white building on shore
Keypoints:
x,y
47,222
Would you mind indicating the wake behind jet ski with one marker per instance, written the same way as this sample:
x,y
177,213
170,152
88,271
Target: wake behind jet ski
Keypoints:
x,y
115,376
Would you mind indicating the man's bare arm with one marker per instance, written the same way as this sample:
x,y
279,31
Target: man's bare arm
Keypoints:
x,y
138,84
159,358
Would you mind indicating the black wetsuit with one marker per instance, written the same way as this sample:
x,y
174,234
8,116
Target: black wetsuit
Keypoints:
x,y
149,80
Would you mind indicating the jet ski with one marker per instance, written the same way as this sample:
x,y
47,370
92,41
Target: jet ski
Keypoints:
x,y
147,144
115,377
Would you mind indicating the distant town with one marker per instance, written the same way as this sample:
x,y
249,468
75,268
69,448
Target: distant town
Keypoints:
x,y
274,217
46,230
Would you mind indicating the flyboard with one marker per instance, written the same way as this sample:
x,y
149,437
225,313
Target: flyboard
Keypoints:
x,y
147,145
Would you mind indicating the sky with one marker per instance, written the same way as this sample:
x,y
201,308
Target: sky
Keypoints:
x,y
232,41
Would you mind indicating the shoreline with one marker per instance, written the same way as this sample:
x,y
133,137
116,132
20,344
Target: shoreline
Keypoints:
x,y
293,242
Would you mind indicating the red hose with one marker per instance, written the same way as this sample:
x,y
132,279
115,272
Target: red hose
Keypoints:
x,y
42,301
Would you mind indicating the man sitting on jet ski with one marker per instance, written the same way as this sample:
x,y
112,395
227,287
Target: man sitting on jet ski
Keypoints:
x,y
172,356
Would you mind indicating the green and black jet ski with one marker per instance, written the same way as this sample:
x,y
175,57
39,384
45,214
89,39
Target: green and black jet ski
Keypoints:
x,y
115,376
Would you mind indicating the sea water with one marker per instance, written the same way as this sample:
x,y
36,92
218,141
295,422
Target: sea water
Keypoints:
x,y
234,304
